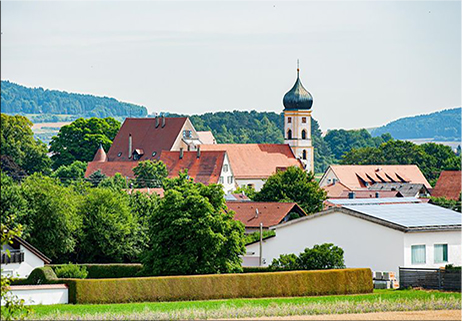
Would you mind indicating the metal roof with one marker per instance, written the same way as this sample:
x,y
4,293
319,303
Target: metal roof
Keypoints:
x,y
374,201
298,97
410,215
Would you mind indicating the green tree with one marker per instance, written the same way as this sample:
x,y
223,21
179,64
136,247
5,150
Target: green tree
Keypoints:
x,y
108,227
80,140
70,173
150,174
191,233
116,182
293,185
10,168
320,257
249,191
52,221
454,205
13,206
17,142
287,262
96,178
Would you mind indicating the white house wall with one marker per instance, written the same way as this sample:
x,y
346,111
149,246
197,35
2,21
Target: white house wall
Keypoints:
x,y
429,239
257,183
227,176
22,270
328,177
365,244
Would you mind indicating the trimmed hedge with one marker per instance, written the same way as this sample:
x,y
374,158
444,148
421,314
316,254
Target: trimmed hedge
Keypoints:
x,y
41,275
109,271
220,286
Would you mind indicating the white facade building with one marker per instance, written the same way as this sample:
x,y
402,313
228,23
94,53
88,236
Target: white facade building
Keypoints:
x,y
22,260
380,237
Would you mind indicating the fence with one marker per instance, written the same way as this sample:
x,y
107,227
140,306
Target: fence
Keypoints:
x,y
438,279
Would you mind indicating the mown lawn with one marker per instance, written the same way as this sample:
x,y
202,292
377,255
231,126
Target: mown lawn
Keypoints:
x,y
380,300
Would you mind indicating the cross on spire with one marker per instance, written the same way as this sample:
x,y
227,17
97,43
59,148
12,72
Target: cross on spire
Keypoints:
x,y
298,68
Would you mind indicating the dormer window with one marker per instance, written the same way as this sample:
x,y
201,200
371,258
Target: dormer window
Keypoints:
x,y
187,133
119,154
289,120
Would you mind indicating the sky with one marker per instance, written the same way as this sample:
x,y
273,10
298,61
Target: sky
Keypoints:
x,y
365,63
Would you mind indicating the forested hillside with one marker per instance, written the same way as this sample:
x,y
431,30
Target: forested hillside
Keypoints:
x,y
442,125
43,103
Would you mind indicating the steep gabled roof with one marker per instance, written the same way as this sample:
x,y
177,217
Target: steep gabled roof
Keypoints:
x,y
256,161
269,213
148,135
355,176
448,185
100,155
19,241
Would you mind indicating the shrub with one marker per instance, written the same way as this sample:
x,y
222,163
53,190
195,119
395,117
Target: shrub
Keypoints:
x,y
71,271
285,262
109,271
220,286
41,275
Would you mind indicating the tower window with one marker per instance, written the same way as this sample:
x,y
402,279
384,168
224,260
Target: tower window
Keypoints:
x,y
304,154
303,134
304,120
289,120
289,134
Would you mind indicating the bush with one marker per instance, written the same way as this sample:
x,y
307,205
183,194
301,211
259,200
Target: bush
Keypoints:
x,y
41,275
71,271
320,257
109,271
220,286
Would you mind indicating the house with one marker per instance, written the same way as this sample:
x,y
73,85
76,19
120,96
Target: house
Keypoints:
x,y
206,137
448,185
269,214
382,234
252,164
340,178
404,189
23,259
207,167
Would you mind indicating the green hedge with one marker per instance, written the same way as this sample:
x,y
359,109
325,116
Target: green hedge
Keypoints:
x,y
110,271
220,286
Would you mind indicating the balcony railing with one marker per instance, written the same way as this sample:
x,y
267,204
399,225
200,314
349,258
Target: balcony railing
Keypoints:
x,y
14,257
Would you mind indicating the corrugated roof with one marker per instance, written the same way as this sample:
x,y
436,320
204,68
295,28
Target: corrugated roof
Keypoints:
x,y
410,215
354,176
269,213
148,135
256,161
448,185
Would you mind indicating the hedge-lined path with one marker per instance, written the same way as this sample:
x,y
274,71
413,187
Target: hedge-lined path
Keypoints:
x,y
408,315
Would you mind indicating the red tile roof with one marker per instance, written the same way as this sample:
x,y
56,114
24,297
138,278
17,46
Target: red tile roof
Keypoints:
x,y
146,137
100,155
448,185
206,169
269,213
256,160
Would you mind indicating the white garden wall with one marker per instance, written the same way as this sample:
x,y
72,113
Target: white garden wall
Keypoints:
x,y
41,294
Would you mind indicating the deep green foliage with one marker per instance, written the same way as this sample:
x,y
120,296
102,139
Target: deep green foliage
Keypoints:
x,y
255,236
17,142
17,99
42,275
68,174
71,271
342,141
293,185
12,203
115,182
96,178
51,220
320,257
442,125
447,203
80,140
191,233
150,174
110,271
10,168
108,227
431,158
248,191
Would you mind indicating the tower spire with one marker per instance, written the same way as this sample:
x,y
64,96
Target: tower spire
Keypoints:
x,y
298,68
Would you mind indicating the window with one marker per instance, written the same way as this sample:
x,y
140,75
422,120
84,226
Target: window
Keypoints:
x,y
225,168
303,134
304,120
221,180
119,154
289,134
230,179
186,134
154,154
418,254
289,120
304,154
441,253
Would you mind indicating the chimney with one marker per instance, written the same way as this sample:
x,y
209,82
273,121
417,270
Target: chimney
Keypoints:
x,y
129,145
163,121
377,195
157,121
181,152
351,195
256,212
334,181
198,151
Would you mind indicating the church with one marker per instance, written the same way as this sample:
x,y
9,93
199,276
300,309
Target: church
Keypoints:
x,y
239,165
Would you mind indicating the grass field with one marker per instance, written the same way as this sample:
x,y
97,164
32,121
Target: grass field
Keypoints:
x,y
380,300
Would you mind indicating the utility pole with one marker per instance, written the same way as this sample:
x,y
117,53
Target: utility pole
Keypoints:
x,y
261,245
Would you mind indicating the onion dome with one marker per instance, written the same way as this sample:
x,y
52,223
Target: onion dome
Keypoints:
x,y
298,98
100,155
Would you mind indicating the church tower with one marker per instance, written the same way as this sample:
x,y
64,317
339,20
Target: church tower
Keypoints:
x,y
297,122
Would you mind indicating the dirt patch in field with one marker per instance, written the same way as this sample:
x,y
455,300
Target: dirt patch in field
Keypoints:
x,y
408,315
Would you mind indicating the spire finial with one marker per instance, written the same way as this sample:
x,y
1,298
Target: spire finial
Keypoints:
x,y
298,68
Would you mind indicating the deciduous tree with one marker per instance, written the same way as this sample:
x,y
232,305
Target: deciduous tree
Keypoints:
x,y
150,174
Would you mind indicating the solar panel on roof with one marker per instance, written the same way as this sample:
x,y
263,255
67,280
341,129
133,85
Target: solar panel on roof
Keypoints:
x,y
411,215
377,201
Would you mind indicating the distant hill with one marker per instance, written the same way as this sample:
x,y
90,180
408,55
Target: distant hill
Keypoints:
x,y
54,105
443,126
